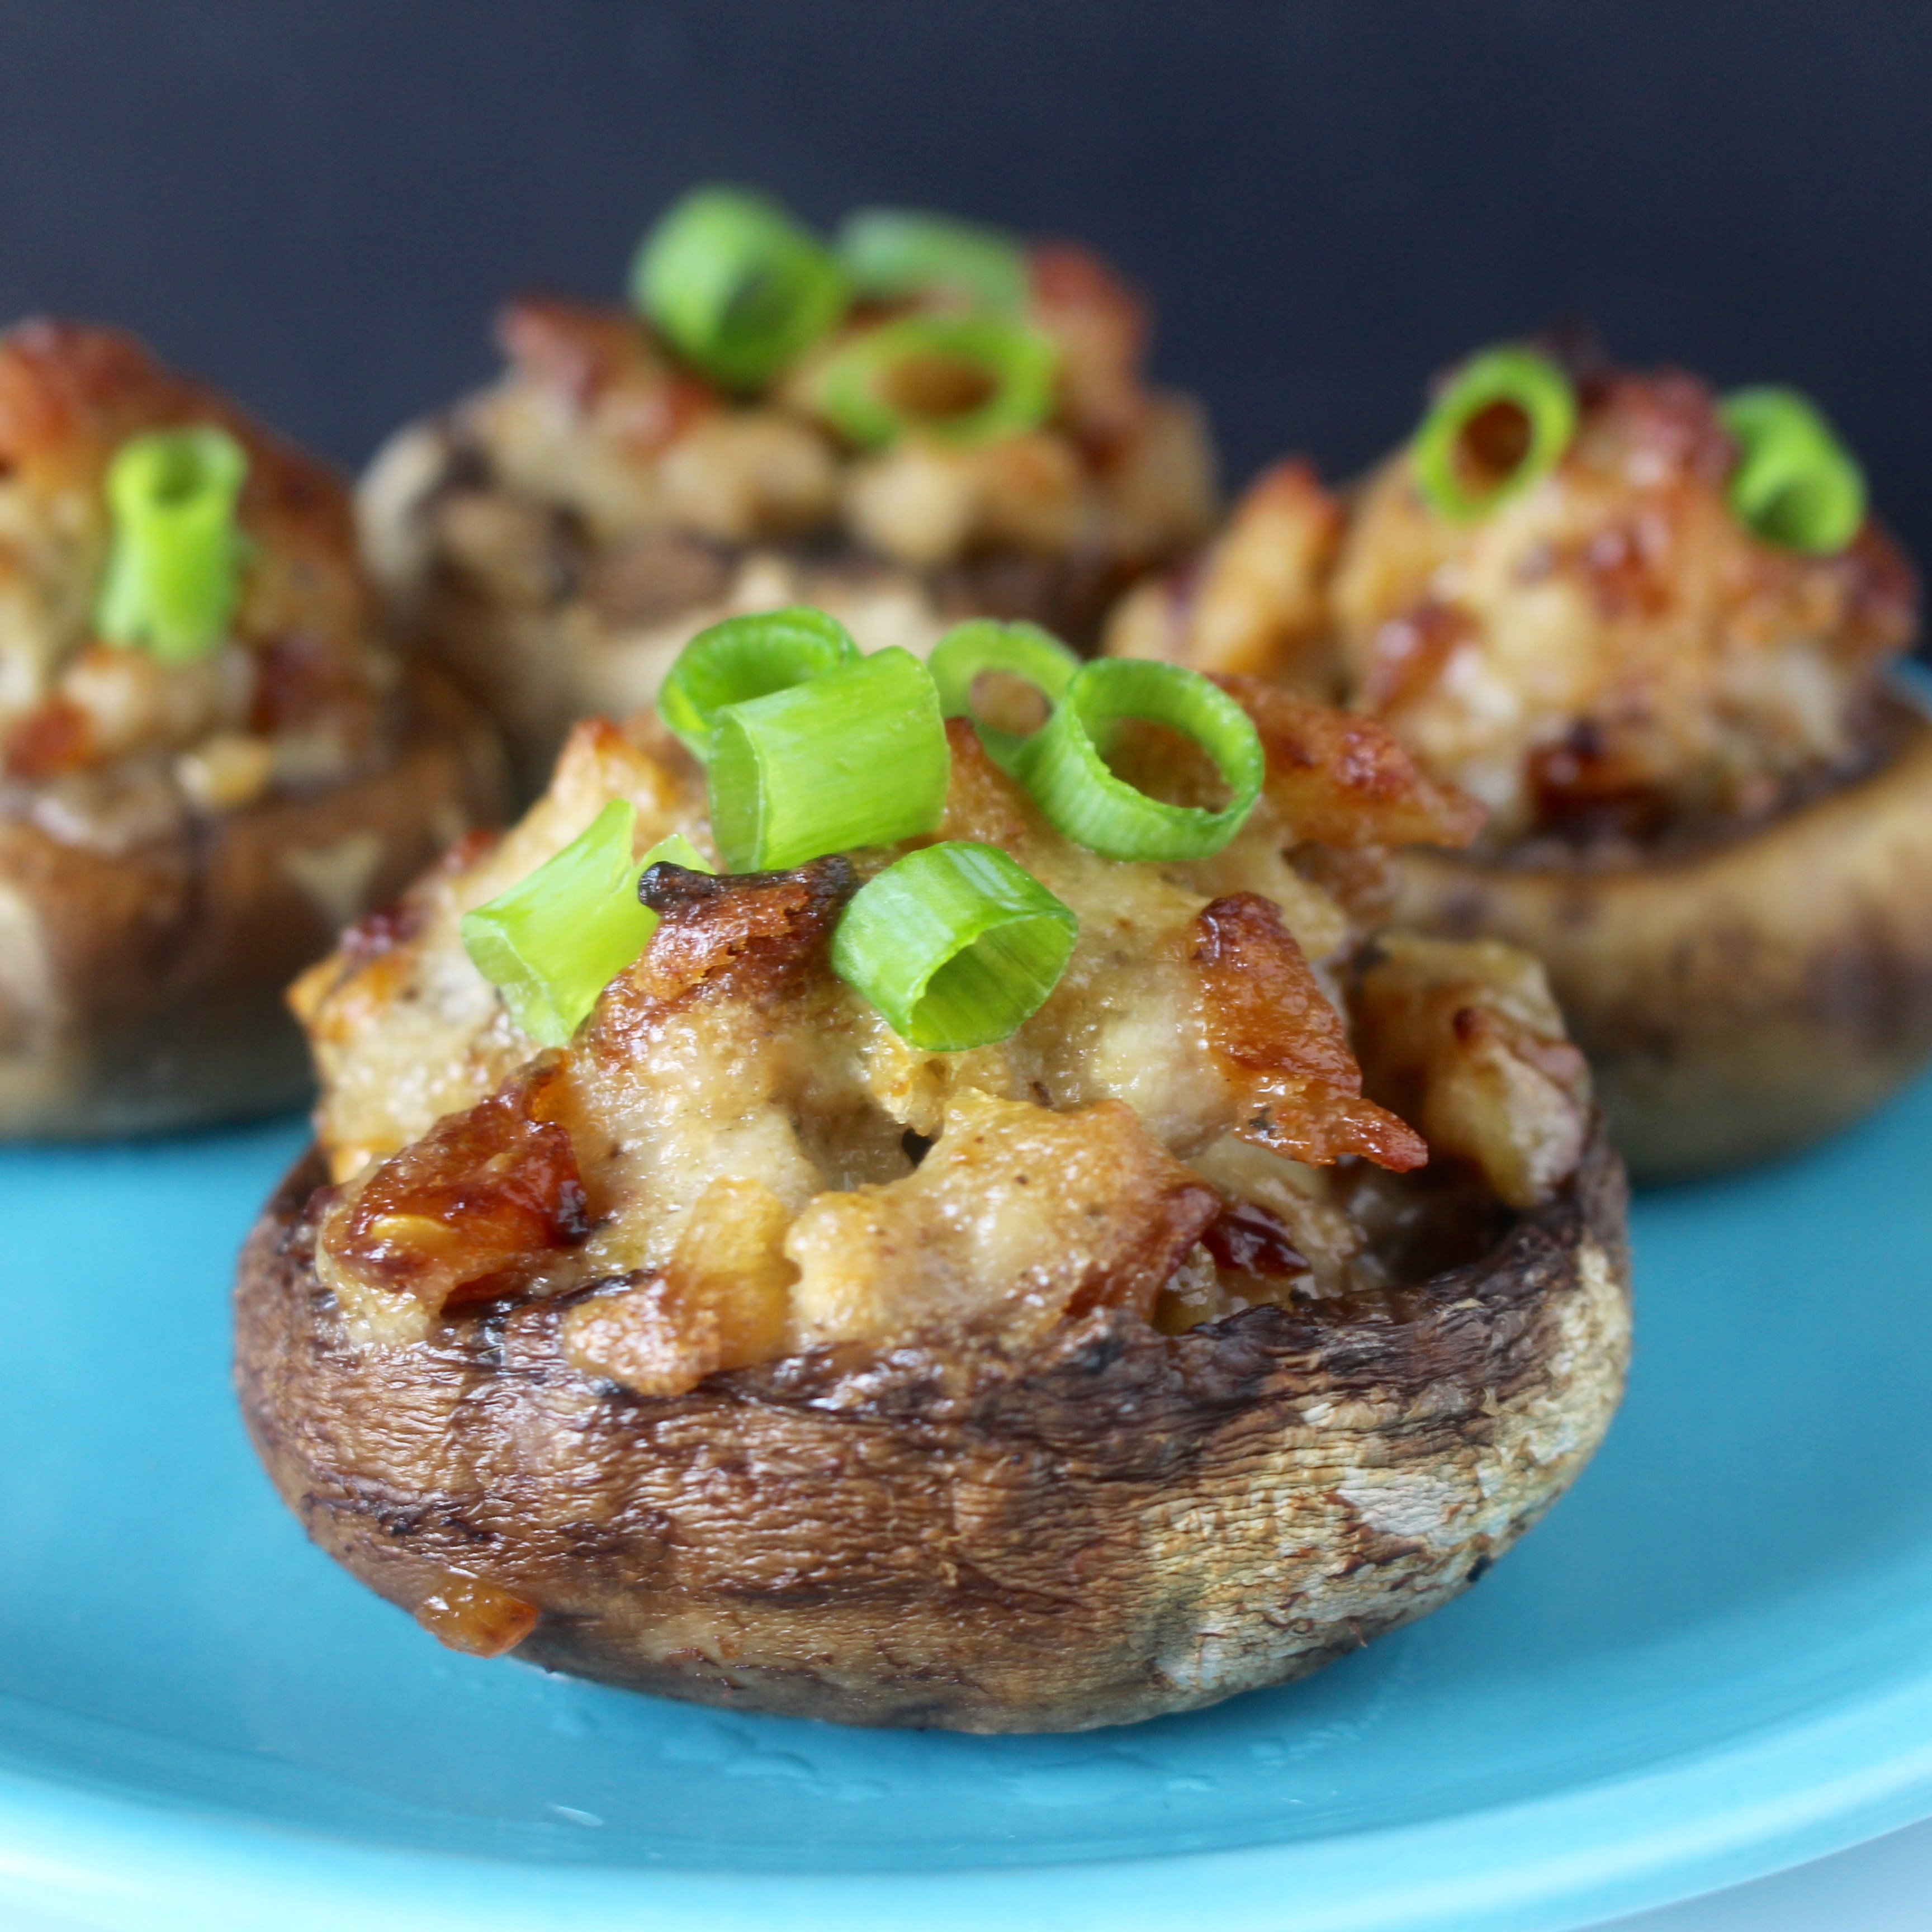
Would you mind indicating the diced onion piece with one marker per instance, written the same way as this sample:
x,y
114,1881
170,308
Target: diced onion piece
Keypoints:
x,y
856,757
1063,766
957,945
961,379
174,569
896,254
562,933
1018,650
1539,403
1795,485
735,286
745,657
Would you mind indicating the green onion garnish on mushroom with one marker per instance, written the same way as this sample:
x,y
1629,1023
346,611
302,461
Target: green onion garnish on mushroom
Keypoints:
x,y
895,254
857,756
553,941
746,657
1501,422
961,379
957,944
1795,484
174,566
735,286
1021,662
1065,764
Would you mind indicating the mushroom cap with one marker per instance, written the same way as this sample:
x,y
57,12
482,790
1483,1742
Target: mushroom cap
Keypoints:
x,y
1113,1525
1740,996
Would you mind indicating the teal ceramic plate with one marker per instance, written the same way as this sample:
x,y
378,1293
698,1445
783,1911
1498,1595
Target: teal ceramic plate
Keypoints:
x,y
1715,1658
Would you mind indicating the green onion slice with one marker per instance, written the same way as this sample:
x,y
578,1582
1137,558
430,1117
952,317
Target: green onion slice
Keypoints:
x,y
1016,650
856,757
1795,484
957,944
561,934
960,378
1064,767
736,285
1503,422
748,657
174,567
894,254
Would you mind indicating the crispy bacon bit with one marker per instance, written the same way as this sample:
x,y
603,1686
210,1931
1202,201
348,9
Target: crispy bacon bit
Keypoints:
x,y
475,1617
592,357
383,930
461,1214
749,935
57,737
1253,1241
1101,325
1409,653
1343,780
469,849
1283,1044
1585,791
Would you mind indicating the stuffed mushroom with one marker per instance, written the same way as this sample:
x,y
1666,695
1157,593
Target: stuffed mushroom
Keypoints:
x,y
209,766
1652,629
960,1279
926,420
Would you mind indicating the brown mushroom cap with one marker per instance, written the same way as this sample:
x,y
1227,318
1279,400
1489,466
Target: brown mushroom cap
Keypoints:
x,y
1747,995
1115,1526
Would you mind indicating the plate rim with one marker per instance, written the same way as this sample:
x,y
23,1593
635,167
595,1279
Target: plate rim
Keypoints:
x,y
1821,1782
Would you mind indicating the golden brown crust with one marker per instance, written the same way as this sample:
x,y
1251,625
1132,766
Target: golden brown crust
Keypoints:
x,y
141,985
1116,1525
1742,997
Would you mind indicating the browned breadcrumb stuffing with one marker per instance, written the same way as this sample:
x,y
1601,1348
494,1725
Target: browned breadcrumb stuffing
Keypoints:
x,y
1609,655
555,539
299,697
736,1158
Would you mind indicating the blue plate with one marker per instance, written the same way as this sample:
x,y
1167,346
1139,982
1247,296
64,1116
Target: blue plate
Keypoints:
x,y
1714,1660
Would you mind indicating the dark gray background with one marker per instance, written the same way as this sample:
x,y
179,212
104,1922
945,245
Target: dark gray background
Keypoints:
x,y
317,202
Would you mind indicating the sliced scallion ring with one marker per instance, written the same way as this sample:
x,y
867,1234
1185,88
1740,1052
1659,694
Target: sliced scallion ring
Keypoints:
x,y
961,379
748,657
895,254
735,286
856,757
1502,422
1016,650
174,567
1795,484
957,944
559,936
1063,765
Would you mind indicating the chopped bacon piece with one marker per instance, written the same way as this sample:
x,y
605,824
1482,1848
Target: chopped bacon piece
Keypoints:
x,y
589,356
57,737
458,1215
750,935
1249,1239
1343,780
1283,1044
